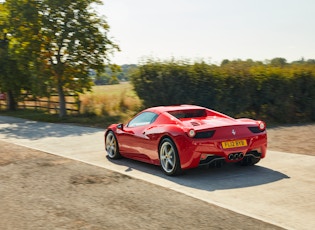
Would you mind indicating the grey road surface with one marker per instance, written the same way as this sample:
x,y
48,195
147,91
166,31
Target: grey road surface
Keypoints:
x,y
279,190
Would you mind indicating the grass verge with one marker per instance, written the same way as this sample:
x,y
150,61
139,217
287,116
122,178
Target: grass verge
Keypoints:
x,y
91,120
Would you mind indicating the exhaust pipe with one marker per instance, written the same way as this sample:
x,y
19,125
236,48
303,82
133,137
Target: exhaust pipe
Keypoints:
x,y
235,156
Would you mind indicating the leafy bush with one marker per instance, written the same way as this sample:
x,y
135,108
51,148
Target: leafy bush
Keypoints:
x,y
277,91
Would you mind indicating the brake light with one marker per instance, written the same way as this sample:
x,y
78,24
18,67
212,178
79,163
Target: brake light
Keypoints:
x,y
191,133
261,125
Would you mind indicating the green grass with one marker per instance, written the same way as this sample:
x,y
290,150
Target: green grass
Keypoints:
x,y
103,106
113,90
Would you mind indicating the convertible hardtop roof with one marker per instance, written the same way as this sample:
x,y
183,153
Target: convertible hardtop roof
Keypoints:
x,y
162,109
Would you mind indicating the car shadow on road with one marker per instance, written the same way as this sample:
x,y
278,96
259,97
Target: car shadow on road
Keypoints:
x,y
25,129
229,176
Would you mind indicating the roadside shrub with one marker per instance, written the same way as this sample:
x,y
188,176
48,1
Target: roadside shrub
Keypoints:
x,y
280,93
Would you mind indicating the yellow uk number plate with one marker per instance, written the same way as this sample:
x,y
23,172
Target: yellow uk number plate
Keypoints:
x,y
234,144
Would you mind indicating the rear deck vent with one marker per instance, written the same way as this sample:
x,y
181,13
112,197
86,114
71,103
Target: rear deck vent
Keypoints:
x,y
194,123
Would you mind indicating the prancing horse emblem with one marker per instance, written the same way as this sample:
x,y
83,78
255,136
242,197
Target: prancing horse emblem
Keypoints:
x,y
233,132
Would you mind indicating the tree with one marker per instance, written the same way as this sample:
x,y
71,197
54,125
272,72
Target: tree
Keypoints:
x,y
12,79
65,40
278,62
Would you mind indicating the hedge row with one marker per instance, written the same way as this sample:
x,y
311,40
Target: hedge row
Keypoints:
x,y
282,94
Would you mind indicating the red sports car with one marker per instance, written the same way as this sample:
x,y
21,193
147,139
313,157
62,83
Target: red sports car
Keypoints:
x,y
186,136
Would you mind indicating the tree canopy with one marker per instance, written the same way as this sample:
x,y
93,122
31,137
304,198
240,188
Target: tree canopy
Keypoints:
x,y
57,43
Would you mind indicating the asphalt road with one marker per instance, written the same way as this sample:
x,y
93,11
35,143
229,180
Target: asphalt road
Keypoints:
x,y
279,190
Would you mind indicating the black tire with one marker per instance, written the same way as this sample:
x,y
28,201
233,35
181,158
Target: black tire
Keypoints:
x,y
249,161
111,146
169,159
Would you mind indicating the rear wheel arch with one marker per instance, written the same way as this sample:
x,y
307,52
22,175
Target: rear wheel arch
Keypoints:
x,y
163,138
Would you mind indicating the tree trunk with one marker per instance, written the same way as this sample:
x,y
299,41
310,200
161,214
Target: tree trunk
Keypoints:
x,y
11,103
62,101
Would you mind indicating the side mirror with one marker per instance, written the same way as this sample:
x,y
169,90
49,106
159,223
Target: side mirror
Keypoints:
x,y
120,126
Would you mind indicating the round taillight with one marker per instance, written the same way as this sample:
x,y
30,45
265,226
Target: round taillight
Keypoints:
x,y
262,125
191,133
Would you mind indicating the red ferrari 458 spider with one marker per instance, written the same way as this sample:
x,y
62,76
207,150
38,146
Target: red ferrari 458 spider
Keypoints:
x,y
186,136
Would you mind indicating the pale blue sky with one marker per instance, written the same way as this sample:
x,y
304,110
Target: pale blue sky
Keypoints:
x,y
211,30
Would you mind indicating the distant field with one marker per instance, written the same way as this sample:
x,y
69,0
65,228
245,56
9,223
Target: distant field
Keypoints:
x,y
113,90
111,100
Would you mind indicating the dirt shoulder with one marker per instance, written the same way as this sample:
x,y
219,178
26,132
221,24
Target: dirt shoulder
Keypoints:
x,y
298,139
43,191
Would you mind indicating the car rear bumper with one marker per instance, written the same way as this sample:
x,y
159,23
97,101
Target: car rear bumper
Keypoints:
x,y
207,152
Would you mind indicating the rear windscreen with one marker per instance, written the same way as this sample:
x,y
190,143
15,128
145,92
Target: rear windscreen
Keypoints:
x,y
191,113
